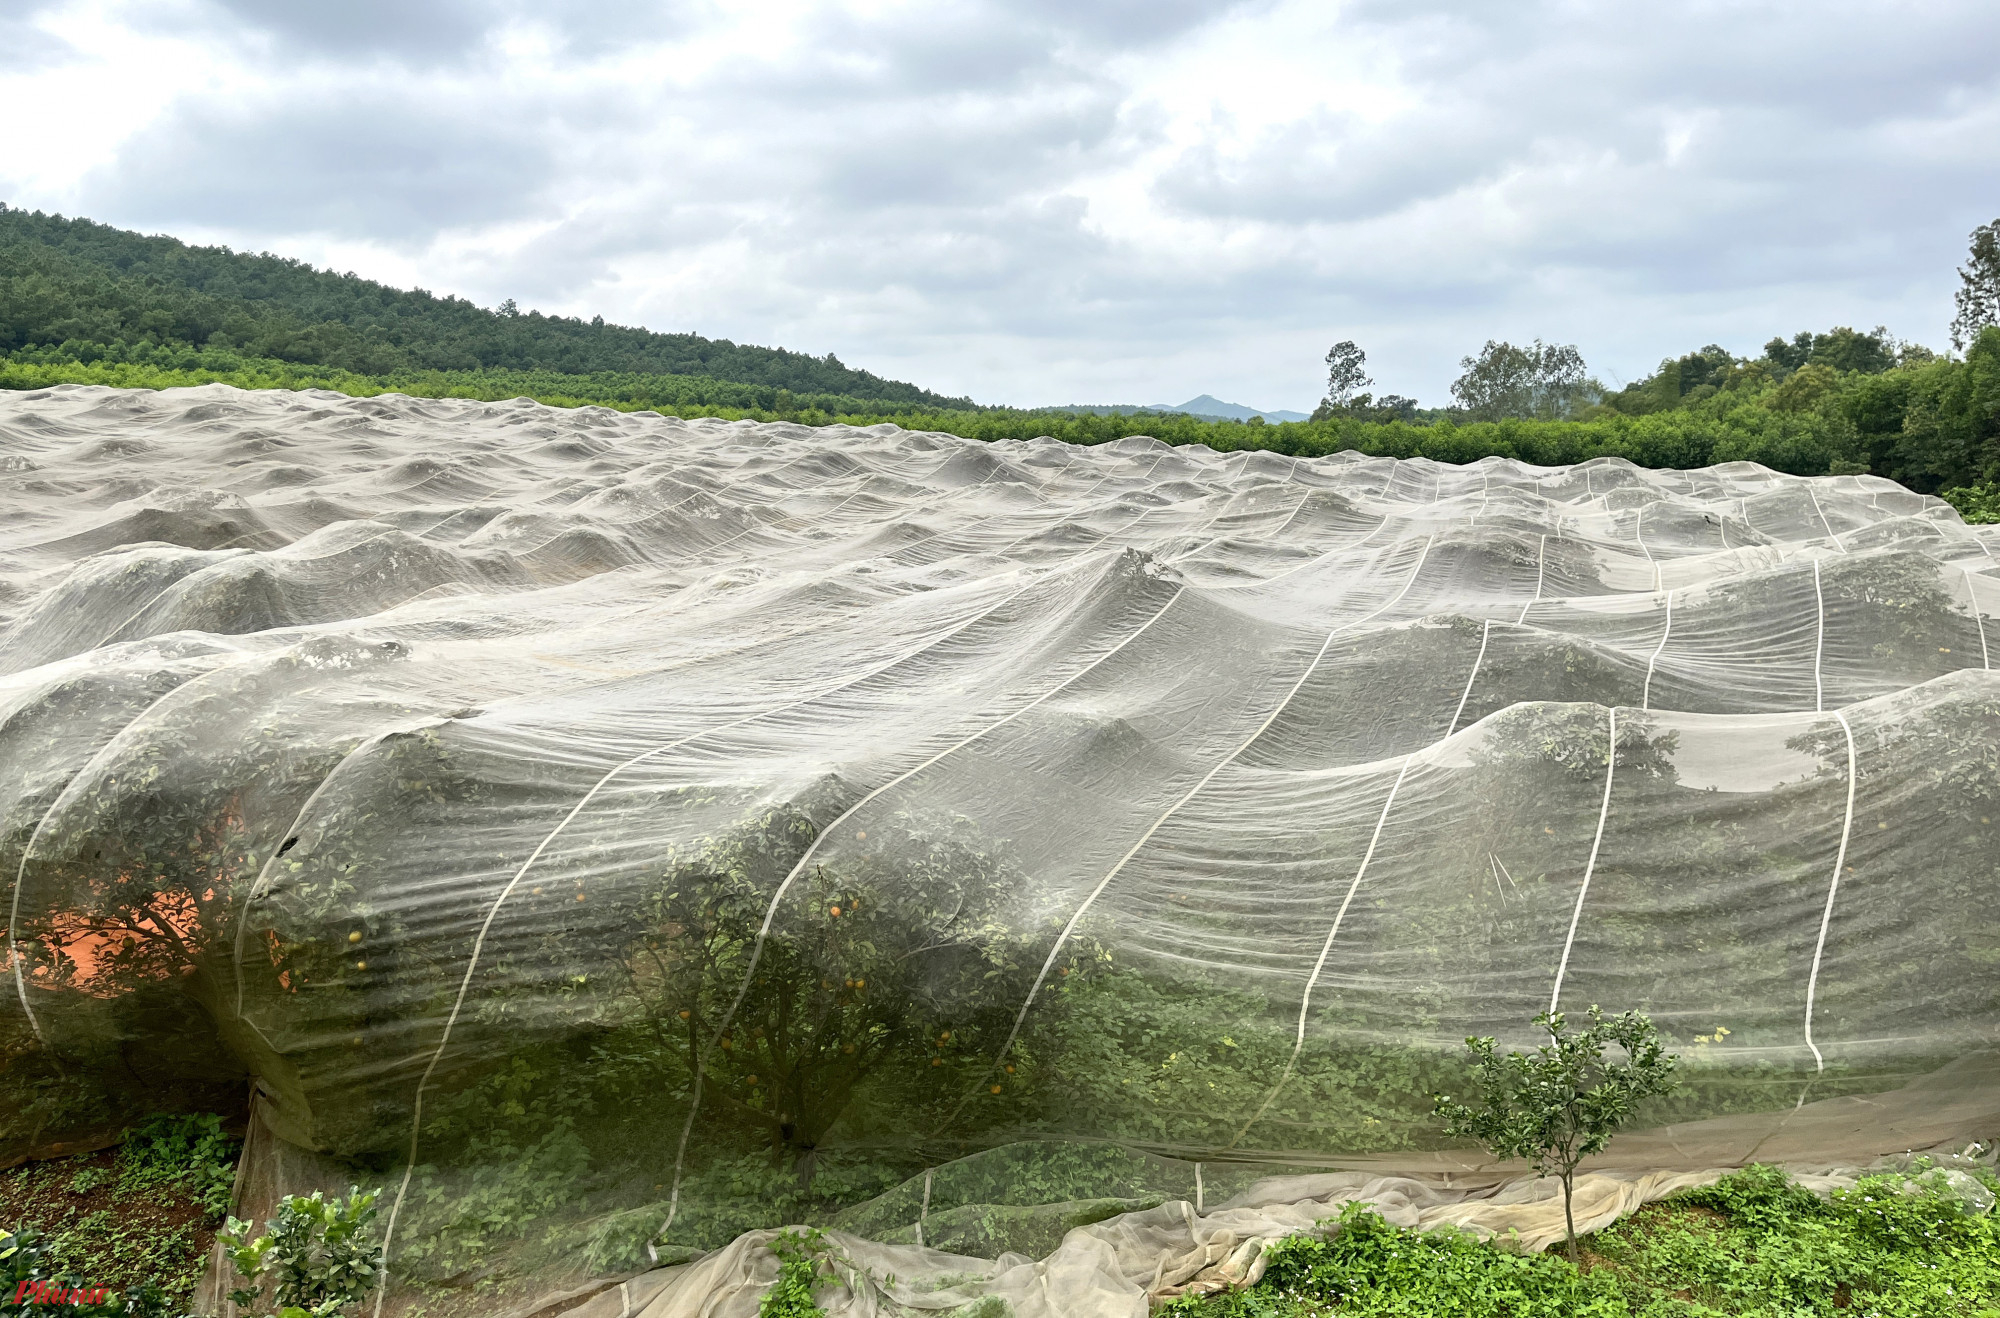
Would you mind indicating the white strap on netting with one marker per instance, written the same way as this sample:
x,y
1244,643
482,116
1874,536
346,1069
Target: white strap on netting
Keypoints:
x,y
1819,643
1541,560
1083,908
923,1209
1283,526
1821,513
771,911
262,883
1326,949
1198,1192
1978,620
1832,888
1375,839
1485,633
1646,694
1639,534
493,911
1603,813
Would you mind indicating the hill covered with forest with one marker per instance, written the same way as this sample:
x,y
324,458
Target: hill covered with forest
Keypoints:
x,y
92,292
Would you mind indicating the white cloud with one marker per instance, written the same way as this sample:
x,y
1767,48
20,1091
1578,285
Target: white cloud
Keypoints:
x,y
1040,202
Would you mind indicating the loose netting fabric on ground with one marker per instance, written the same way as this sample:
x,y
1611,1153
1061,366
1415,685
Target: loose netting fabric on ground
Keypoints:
x,y
613,834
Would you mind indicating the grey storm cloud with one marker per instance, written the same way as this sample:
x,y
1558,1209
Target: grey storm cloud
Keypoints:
x,y
1045,200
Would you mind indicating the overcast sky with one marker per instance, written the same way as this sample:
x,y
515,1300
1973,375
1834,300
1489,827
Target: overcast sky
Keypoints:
x,y
1057,200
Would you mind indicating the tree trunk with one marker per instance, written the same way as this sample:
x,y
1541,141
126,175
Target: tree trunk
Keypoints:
x,y
1569,1219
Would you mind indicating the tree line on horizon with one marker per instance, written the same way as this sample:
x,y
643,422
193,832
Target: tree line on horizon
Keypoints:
x,y
1879,405
85,303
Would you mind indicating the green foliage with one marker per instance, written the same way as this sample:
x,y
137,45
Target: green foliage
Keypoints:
x,y
1563,1102
129,1224
1346,373
1365,1266
512,1136
1754,1245
1543,381
892,966
799,1261
1977,504
28,1259
807,1259
90,1178
1759,1198
1839,350
319,1255
189,1151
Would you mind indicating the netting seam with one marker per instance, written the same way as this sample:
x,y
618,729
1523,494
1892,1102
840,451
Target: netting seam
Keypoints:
x,y
1485,634
1822,519
1639,534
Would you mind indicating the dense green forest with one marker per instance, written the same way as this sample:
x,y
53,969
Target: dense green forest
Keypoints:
x,y
95,293
81,302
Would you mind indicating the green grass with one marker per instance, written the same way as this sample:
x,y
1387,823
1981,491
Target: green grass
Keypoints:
x,y
1754,1245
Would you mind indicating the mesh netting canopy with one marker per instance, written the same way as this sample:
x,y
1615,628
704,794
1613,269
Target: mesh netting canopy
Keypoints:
x,y
615,833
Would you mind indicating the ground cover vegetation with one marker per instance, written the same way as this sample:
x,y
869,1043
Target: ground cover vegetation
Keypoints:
x,y
137,1220
1754,1244
85,303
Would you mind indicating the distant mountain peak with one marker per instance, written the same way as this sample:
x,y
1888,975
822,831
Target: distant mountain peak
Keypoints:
x,y
1208,405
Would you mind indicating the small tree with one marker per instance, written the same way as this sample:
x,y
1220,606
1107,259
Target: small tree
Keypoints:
x,y
1561,1103
320,1255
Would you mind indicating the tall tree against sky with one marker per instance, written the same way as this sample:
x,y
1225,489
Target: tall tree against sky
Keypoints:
x,y
1346,373
1978,297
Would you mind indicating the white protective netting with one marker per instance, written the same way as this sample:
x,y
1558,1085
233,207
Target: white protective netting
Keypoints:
x,y
613,832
